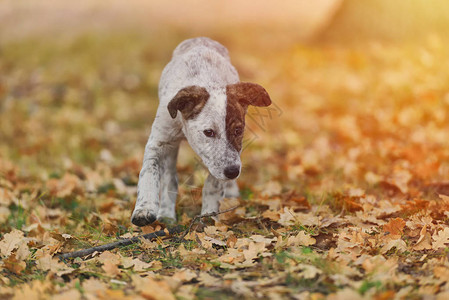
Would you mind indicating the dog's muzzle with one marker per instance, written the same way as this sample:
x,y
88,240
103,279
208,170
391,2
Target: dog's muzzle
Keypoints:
x,y
232,172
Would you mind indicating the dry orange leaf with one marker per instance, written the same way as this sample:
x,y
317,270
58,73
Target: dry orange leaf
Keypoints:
x,y
13,264
394,227
232,239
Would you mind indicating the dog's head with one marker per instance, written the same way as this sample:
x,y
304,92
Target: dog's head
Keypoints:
x,y
214,121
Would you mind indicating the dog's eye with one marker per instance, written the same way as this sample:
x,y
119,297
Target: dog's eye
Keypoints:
x,y
238,131
209,133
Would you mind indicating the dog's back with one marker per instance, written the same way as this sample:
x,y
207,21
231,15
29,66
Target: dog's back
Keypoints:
x,y
187,45
199,61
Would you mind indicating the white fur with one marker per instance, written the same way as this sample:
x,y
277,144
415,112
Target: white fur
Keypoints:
x,y
204,63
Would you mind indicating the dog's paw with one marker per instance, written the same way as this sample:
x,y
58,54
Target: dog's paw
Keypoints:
x,y
142,217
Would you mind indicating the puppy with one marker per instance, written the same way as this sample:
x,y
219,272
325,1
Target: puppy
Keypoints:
x,y
201,100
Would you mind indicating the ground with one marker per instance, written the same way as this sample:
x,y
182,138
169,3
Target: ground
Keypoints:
x,y
344,182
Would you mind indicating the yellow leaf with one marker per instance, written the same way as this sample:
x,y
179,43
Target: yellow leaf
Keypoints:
x,y
153,289
254,249
309,271
23,251
301,239
440,239
287,217
140,266
184,275
208,280
45,262
109,256
399,244
111,268
10,242
441,272
261,239
94,286
72,294
272,215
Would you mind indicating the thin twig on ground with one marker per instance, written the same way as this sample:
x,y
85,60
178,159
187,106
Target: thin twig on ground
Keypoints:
x,y
122,243
136,239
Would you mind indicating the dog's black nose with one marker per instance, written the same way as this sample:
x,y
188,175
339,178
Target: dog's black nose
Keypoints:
x,y
232,172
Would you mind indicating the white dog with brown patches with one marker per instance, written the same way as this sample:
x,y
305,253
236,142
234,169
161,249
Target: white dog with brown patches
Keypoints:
x,y
202,100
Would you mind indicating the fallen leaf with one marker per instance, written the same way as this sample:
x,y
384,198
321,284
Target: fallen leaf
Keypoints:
x,y
72,294
111,268
441,272
272,215
65,186
309,271
425,240
184,275
254,249
153,289
399,244
93,288
301,239
10,241
207,280
45,262
262,239
440,239
110,257
14,265
231,241
394,228
137,264
214,241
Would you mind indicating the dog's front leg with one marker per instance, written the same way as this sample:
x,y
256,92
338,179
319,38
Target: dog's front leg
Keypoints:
x,y
169,188
213,193
232,189
147,204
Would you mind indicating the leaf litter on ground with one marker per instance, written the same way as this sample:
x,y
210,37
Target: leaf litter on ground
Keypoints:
x,y
344,189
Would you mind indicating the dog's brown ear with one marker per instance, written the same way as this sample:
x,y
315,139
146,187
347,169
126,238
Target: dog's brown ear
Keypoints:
x,y
189,101
248,94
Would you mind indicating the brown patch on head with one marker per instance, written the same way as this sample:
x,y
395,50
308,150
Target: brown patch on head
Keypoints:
x,y
239,96
249,94
189,101
235,121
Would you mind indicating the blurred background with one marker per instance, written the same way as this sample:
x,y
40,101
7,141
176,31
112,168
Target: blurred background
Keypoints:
x,y
357,136
352,80
300,20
